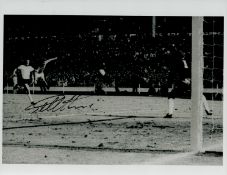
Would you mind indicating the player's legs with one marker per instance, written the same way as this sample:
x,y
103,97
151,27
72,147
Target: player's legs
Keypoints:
x,y
43,80
206,106
15,84
171,97
45,83
116,84
38,83
99,85
43,86
28,92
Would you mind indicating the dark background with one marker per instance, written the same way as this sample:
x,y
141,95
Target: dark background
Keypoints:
x,y
123,45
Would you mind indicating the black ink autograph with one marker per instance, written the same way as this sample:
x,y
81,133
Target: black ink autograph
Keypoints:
x,y
57,103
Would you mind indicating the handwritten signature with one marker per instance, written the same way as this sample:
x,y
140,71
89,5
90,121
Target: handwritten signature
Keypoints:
x,y
57,103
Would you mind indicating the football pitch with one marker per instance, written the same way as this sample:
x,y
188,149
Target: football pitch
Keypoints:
x,y
76,129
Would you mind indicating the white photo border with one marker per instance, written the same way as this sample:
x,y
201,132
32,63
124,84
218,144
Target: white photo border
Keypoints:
x,y
112,7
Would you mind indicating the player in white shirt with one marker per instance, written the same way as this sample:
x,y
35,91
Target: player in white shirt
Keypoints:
x,y
26,72
39,74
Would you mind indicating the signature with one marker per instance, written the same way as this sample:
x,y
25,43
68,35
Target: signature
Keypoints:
x,y
57,103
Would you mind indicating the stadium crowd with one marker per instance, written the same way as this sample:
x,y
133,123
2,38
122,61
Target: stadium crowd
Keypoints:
x,y
128,58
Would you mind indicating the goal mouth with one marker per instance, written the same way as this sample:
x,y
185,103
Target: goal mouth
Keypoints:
x,y
207,74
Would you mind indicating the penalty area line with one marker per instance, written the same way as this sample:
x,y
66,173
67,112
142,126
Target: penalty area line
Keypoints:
x,y
67,123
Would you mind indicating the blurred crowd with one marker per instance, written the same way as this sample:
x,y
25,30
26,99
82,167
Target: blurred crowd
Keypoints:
x,y
128,59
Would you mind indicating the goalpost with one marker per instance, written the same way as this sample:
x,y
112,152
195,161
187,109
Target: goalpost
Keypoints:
x,y
197,85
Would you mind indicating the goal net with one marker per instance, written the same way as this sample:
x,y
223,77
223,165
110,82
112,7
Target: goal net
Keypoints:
x,y
207,81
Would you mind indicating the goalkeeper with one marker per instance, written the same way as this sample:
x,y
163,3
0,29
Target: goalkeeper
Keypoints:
x,y
178,78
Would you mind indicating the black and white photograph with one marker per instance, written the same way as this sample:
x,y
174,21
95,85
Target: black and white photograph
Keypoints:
x,y
112,89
